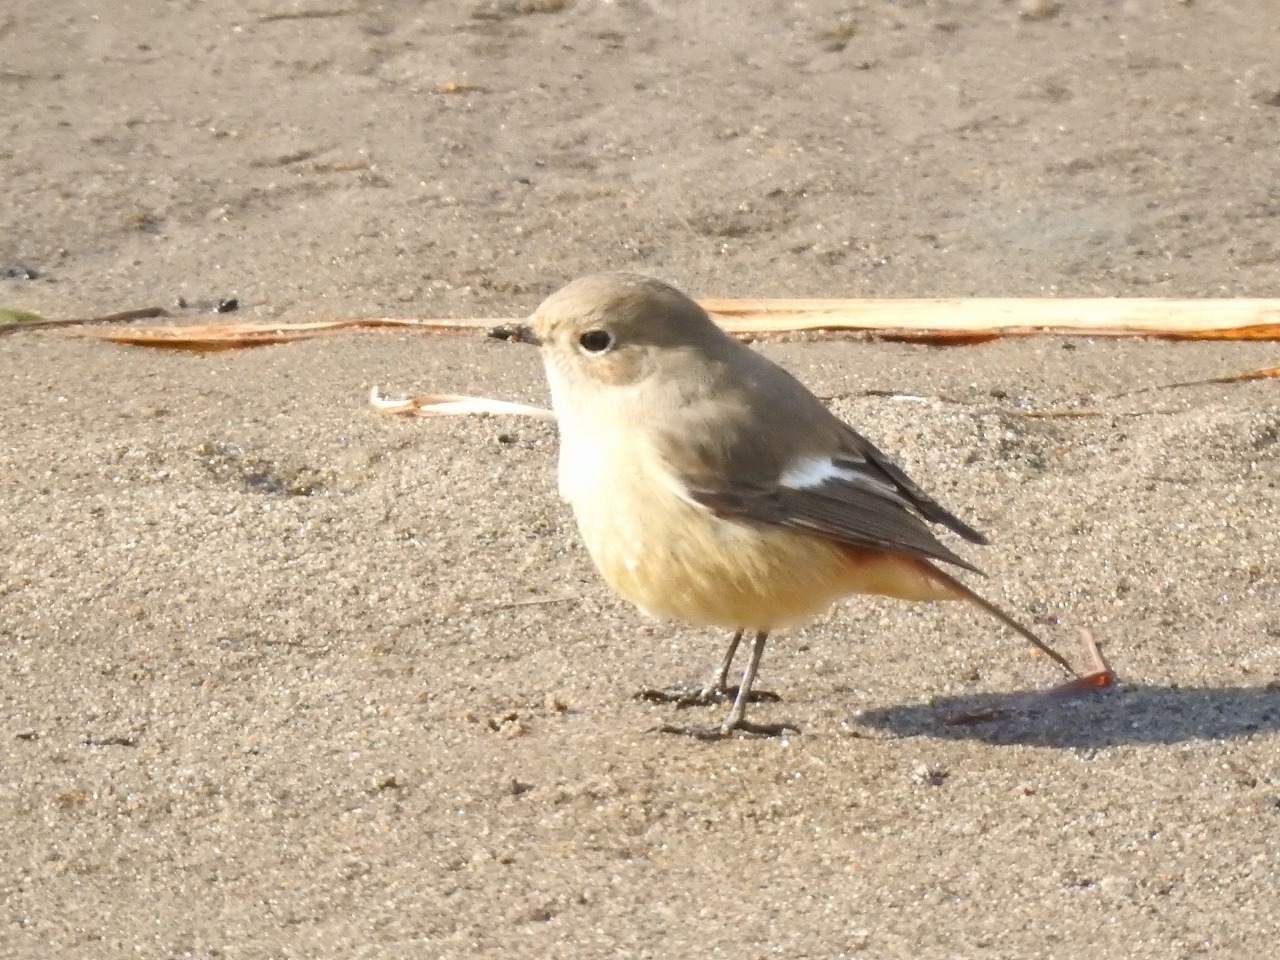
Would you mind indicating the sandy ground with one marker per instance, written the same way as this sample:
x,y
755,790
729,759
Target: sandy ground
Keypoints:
x,y
283,677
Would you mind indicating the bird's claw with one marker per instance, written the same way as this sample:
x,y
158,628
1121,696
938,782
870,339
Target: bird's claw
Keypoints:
x,y
725,731
684,697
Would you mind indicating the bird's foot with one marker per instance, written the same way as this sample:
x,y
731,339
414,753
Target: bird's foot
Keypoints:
x,y
684,697
724,731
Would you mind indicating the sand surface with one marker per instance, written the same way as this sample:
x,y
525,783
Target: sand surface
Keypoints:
x,y
284,677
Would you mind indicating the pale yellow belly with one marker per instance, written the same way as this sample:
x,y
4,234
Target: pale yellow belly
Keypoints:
x,y
674,559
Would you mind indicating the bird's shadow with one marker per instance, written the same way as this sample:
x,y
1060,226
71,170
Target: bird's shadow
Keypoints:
x,y
1121,715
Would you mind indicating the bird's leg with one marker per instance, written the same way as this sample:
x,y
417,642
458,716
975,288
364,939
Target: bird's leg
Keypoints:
x,y
737,718
721,682
717,691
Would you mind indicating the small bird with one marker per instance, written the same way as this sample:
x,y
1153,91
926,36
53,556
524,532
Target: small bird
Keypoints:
x,y
711,486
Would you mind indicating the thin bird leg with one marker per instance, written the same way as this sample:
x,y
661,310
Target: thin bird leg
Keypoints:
x,y
715,691
721,682
738,712
737,719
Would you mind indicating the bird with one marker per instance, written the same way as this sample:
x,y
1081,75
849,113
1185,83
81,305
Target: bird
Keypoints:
x,y
710,486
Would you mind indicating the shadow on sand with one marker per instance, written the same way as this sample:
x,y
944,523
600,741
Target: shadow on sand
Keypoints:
x,y
1124,715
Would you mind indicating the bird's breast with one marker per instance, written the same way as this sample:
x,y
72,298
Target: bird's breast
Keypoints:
x,y
673,558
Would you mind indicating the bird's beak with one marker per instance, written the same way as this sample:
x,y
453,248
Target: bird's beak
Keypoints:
x,y
519,332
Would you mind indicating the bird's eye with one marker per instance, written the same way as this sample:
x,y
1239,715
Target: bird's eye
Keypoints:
x,y
596,341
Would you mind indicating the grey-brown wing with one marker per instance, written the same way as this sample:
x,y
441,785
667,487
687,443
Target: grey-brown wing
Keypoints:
x,y
858,514
868,459
780,457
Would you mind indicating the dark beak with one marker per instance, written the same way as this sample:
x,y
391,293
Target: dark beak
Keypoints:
x,y
517,332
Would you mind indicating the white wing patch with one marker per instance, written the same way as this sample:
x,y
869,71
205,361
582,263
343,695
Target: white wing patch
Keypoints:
x,y
813,472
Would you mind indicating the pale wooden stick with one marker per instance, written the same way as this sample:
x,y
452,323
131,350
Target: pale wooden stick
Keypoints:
x,y
454,405
1244,318
942,319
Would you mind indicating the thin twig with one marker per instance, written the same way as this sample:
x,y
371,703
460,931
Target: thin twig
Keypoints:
x,y
532,602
